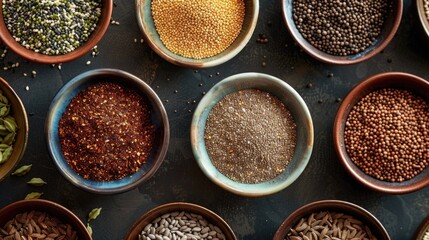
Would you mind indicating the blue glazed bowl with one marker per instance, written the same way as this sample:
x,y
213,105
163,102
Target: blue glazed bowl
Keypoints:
x,y
296,106
159,119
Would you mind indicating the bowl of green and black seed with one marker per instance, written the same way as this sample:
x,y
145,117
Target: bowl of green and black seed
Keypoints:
x,y
53,32
342,32
107,131
381,133
331,219
252,134
199,34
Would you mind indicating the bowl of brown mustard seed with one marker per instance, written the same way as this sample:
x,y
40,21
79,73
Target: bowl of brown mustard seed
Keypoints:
x,y
107,131
53,32
331,219
40,219
197,33
342,32
381,133
252,134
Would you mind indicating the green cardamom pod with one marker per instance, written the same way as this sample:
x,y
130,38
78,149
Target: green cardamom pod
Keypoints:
x,y
3,147
6,153
22,170
4,111
94,214
1,159
38,182
89,228
4,99
11,120
9,138
34,195
10,126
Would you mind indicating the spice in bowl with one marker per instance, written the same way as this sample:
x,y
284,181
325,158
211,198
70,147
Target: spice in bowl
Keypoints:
x,y
51,27
8,129
386,134
198,28
250,136
106,132
340,27
426,8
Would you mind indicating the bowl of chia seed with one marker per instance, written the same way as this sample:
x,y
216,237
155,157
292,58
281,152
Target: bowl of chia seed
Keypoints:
x,y
342,32
331,219
199,34
107,131
53,31
381,133
252,134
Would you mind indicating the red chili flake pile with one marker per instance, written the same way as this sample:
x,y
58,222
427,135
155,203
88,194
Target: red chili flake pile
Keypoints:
x,y
106,133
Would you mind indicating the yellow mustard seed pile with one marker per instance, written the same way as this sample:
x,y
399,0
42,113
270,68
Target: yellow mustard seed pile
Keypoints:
x,y
198,28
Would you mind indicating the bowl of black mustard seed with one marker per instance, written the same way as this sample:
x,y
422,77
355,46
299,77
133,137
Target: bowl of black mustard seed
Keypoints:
x,y
200,33
342,32
381,133
53,32
252,134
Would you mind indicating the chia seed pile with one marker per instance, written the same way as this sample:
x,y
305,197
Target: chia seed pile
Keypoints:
x,y
51,27
340,27
387,134
250,136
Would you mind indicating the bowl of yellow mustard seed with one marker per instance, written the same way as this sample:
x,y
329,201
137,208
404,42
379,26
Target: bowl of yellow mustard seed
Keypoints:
x,y
200,33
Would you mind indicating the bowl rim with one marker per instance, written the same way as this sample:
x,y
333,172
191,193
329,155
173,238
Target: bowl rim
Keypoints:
x,y
153,213
256,189
25,130
320,205
338,129
30,55
422,229
340,60
57,156
201,63
424,21
42,205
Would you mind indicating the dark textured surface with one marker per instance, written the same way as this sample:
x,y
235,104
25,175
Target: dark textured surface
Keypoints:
x,y
179,178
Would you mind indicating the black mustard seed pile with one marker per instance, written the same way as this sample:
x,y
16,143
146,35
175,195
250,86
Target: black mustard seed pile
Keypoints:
x,y
387,134
250,136
51,27
340,27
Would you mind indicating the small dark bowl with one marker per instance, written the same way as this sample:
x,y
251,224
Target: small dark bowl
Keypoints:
x,y
338,206
159,119
423,229
96,35
387,33
20,115
398,80
207,214
54,209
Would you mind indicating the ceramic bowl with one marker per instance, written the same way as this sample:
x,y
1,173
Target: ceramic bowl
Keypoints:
x,y
158,116
292,101
20,115
423,16
398,80
338,206
103,23
388,31
423,230
53,209
151,215
147,27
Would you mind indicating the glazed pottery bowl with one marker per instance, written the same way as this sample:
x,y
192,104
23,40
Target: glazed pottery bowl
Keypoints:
x,y
158,117
159,211
336,206
151,36
95,37
298,109
53,209
17,110
395,80
388,31
423,16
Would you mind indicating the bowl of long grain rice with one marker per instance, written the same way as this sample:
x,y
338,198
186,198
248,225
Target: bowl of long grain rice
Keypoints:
x,y
331,219
195,33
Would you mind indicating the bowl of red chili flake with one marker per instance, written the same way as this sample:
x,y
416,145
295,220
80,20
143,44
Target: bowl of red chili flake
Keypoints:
x,y
107,131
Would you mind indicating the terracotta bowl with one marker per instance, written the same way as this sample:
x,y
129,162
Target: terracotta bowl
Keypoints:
x,y
103,23
388,32
158,116
147,27
299,112
422,16
423,229
53,209
151,215
397,80
20,115
338,206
